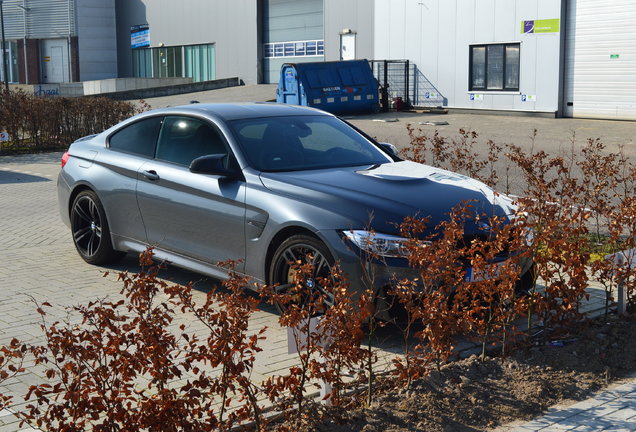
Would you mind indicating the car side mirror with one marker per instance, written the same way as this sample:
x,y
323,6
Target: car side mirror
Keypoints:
x,y
389,148
211,164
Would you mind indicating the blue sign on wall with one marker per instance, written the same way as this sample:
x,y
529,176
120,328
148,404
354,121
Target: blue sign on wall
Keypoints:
x,y
139,36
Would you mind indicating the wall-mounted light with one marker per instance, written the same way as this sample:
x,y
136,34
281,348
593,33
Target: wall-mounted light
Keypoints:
x,y
161,44
346,31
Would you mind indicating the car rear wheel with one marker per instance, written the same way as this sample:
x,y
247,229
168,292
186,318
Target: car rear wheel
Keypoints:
x,y
89,227
289,256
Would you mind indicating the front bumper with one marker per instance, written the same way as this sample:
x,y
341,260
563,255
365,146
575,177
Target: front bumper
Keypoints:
x,y
364,273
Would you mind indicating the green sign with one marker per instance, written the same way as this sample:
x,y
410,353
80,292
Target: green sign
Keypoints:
x,y
614,56
541,26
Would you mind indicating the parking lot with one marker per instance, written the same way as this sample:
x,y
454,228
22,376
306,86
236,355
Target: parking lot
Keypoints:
x,y
553,135
38,260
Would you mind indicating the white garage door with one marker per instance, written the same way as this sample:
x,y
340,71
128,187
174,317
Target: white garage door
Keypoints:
x,y
292,33
600,71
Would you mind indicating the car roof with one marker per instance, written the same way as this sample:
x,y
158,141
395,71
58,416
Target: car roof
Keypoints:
x,y
235,111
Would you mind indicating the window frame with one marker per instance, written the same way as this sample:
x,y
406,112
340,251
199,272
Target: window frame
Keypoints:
x,y
181,62
304,48
151,156
506,71
230,160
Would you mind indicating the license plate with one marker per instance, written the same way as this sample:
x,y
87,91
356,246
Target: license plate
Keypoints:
x,y
487,272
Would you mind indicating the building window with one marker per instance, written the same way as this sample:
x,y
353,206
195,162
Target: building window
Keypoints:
x,y
167,62
294,49
9,56
494,67
193,61
142,63
199,62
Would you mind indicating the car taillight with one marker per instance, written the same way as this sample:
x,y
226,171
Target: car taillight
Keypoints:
x,y
65,157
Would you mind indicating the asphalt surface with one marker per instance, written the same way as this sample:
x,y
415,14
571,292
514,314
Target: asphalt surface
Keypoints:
x,y
553,135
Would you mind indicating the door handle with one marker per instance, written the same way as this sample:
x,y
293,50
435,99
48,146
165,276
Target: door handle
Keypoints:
x,y
151,175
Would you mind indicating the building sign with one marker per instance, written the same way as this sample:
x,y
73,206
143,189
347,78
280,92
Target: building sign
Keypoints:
x,y
615,56
139,36
528,98
4,137
541,26
46,90
476,97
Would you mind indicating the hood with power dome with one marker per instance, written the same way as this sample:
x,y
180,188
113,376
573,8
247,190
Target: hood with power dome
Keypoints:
x,y
387,193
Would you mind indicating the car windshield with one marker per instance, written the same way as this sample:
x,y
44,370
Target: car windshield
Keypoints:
x,y
304,143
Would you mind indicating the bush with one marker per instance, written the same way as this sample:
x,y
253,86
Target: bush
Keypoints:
x,y
127,368
40,124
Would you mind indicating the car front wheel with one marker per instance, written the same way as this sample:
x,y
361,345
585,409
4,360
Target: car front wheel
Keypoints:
x,y
89,226
293,253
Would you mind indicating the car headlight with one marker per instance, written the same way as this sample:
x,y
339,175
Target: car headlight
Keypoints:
x,y
384,245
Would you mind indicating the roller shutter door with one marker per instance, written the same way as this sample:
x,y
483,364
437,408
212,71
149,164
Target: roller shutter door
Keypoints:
x,y
600,68
297,22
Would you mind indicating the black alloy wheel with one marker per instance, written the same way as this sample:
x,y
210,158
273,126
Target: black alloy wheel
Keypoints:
x,y
91,234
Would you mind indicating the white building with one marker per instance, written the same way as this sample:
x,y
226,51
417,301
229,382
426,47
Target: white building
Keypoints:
x,y
553,57
557,57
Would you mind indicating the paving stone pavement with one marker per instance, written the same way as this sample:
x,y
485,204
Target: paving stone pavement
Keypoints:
x,y
38,261
613,410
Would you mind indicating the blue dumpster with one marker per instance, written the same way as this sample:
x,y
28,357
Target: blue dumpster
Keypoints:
x,y
336,87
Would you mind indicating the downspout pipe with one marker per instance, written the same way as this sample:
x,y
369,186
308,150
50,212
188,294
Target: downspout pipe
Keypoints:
x,y
4,53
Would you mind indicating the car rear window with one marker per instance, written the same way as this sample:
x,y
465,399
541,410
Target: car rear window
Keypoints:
x,y
138,138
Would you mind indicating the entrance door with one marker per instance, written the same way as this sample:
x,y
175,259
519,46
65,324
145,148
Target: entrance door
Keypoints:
x,y
54,61
4,57
348,46
56,70
14,75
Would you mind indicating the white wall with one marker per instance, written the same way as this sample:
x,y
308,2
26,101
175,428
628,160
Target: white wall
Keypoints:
x,y
436,34
96,32
356,15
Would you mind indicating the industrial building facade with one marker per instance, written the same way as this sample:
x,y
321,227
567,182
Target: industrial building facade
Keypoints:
x,y
53,41
572,58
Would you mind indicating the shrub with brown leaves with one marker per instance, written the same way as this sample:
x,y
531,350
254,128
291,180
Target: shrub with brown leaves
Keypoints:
x,y
38,124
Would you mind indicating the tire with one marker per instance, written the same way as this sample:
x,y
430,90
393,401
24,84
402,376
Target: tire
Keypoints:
x,y
526,282
90,231
305,249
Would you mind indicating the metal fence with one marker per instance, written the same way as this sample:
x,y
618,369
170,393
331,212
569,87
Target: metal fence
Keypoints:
x,y
402,79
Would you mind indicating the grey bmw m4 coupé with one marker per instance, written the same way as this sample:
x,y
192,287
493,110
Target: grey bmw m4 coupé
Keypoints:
x,y
262,184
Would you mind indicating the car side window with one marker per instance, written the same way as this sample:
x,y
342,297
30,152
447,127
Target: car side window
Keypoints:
x,y
183,139
137,138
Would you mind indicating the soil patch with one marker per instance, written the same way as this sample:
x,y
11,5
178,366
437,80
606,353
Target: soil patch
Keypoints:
x,y
476,395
